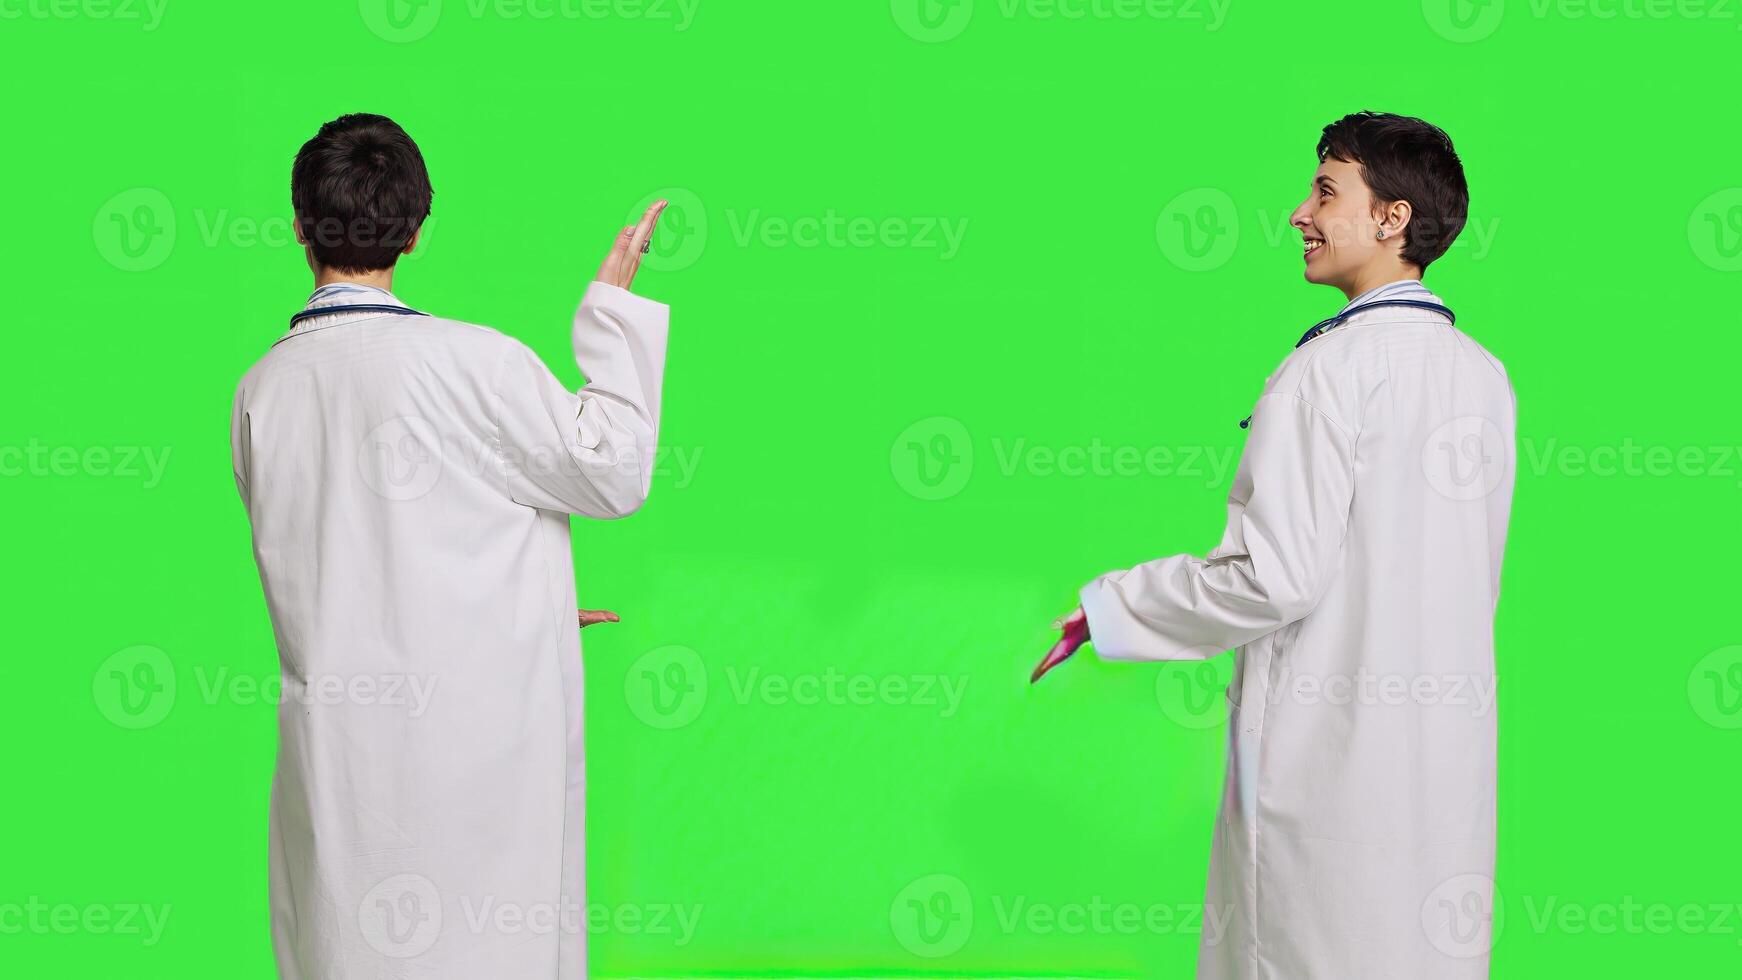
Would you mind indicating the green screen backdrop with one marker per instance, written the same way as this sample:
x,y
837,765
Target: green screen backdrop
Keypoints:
x,y
967,301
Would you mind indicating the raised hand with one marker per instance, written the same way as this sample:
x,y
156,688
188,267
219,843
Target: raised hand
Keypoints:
x,y
624,259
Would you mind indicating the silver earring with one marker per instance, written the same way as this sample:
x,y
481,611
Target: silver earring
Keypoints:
x,y
1381,233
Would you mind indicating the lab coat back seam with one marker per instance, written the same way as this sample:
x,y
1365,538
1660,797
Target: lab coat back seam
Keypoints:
x,y
1321,413
1315,349
499,452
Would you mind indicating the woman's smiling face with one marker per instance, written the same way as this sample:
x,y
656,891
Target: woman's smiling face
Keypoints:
x,y
1338,226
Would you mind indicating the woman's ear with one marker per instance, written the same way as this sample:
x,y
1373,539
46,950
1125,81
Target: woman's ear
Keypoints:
x,y
1393,218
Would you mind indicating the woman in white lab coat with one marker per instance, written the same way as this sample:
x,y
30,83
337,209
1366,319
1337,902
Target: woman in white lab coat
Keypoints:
x,y
409,480
1357,577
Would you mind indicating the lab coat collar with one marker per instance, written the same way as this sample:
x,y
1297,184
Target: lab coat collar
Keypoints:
x,y
1401,289
341,294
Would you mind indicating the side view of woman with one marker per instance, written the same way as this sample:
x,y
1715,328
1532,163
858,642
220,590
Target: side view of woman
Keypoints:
x,y
1357,578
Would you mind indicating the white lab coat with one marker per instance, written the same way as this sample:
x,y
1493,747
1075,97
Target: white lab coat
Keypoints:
x,y
408,480
1366,522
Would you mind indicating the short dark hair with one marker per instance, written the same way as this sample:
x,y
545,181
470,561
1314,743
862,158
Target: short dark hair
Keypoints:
x,y
360,192
1406,159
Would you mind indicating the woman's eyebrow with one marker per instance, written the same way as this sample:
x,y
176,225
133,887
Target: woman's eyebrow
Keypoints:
x,y
1322,179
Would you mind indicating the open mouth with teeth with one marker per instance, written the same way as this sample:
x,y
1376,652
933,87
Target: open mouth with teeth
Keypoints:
x,y
1311,245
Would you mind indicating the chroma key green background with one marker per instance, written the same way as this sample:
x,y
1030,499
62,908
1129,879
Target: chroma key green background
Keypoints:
x,y
967,300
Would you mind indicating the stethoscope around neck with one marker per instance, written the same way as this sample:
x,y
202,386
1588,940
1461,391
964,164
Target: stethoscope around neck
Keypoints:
x,y
315,311
1325,326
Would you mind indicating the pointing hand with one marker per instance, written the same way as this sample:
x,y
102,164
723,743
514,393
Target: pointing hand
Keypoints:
x,y
1075,629
590,616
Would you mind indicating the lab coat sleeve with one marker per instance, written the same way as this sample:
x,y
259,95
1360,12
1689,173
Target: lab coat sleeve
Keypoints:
x,y
590,451
1288,513
239,447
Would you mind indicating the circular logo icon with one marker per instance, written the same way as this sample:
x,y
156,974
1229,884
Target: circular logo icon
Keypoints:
x,y
932,21
682,232
1715,688
400,21
135,230
402,916
401,459
1465,459
1198,229
667,687
933,916
933,458
1463,916
135,687
1192,694
1463,21
1715,230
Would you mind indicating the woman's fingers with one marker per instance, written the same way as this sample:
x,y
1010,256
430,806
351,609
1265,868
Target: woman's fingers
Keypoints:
x,y
610,270
588,617
639,243
624,259
1074,633
1060,652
